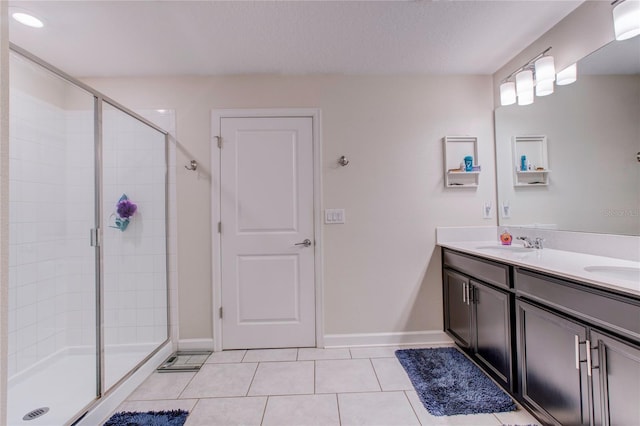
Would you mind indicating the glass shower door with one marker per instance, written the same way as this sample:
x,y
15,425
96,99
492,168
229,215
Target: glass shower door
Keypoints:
x,y
134,242
52,275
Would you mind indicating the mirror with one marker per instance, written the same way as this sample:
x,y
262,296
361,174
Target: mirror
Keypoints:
x,y
585,139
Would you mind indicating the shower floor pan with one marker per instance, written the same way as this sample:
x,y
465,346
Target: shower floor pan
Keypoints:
x,y
182,361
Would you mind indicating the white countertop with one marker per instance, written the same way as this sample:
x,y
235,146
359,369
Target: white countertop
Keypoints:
x,y
556,262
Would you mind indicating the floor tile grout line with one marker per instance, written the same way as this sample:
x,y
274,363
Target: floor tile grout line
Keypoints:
x,y
255,372
192,409
187,385
415,413
338,407
375,373
264,410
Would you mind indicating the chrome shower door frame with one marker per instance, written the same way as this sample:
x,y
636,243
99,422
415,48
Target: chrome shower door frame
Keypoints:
x,y
97,232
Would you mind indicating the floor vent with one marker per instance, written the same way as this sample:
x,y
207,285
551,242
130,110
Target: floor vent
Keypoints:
x,y
34,414
182,361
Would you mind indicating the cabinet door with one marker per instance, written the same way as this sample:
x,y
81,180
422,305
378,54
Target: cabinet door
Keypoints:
x,y
550,354
457,312
493,330
616,381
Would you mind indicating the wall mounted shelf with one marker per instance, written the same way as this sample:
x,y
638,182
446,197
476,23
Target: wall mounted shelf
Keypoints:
x,y
534,148
455,149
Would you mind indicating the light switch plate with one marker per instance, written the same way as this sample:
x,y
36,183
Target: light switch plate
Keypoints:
x,y
334,216
486,210
506,210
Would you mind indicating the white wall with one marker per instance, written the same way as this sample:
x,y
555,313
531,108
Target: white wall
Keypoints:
x,y
591,144
382,272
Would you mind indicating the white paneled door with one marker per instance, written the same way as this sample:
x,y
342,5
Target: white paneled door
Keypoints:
x,y
267,232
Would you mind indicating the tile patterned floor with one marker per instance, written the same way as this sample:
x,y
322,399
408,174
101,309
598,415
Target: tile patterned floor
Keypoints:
x,y
300,387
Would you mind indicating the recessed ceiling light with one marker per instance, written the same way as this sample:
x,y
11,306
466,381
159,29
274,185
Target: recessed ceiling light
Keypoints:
x,y
27,19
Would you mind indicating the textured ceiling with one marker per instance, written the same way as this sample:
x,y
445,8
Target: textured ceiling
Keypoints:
x,y
136,38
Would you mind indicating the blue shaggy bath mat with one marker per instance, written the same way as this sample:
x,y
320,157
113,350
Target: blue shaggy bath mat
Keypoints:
x,y
150,418
449,384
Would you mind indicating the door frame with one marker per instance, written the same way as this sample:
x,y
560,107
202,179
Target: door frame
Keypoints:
x,y
216,240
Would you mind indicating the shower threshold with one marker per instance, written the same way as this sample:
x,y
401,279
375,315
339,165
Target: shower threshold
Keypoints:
x,y
182,361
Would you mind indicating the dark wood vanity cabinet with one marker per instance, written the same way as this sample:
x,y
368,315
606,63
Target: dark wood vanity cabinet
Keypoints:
x,y
616,380
550,353
568,351
477,315
492,331
457,319
578,351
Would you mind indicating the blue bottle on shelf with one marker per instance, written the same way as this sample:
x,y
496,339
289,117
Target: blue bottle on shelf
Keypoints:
x,y
523,163
468,163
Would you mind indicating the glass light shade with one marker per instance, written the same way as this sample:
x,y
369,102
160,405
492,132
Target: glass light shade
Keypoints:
x,y
508,93
28,20
567,75
524,82
626,19
544,88
545,69
525,98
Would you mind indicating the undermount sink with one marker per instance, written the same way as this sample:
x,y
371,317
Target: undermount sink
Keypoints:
x,y
503,249
616,272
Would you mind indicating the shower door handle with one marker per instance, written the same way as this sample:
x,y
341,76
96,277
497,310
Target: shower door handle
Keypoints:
x,y
94,237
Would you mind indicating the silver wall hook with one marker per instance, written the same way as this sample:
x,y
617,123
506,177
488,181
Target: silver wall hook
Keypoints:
x,y
193,165
343,161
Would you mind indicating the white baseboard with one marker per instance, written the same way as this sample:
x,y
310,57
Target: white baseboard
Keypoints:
x,y
195,344
101,412
431,337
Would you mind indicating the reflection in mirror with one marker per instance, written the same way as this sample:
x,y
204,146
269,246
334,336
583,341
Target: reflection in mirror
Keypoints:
x,y
592,133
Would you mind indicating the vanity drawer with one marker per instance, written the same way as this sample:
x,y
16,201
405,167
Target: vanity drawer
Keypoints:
x,y
617,313
481,269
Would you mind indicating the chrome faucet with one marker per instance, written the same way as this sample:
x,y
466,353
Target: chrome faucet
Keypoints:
x,y
528,243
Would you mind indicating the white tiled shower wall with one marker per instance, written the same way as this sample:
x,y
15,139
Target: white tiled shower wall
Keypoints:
x,y
52,265
51,269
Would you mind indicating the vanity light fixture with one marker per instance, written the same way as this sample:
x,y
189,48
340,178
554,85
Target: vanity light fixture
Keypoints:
x,y
626,18
26,18
545,69
544,88
508,93
524,87
539,72
525,98
567,75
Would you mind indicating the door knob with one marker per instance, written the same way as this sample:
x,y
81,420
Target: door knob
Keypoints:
x,y
305,243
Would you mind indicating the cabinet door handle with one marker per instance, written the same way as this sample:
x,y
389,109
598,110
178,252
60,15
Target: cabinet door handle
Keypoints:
x,y
577,342
588,358
464,292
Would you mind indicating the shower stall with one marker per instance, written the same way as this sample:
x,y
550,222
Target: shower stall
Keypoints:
x,y
88,293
